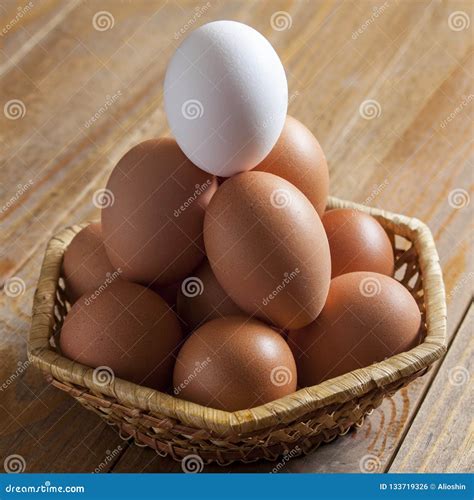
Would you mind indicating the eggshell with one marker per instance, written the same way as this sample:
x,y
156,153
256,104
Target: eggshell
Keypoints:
x,y
153,226
367,317
201,298
127,328
85,263
234,363
268,249
226,97
358,243
299,158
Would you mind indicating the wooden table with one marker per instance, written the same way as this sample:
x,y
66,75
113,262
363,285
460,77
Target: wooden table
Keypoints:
x,y
78,89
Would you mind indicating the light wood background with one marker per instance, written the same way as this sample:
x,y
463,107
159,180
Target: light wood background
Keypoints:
x,y
414,58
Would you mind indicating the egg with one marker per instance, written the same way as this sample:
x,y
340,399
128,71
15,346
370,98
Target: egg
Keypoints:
x,y
267,248
201,298
226,97
153,223
128,331
234,363
367,317
85,263
299,158
358,242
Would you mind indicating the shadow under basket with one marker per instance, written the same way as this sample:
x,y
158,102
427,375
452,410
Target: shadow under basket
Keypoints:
x,y
299,422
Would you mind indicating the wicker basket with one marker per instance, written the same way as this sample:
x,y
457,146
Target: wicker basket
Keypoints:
x,y
296,423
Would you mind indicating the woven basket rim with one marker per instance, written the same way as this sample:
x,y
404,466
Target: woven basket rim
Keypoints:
x,y
283,410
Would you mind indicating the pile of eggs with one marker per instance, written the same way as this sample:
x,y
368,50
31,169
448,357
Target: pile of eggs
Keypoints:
x,y
216,273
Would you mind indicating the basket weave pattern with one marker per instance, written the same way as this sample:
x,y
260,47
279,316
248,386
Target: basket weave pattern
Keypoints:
x,y
299,422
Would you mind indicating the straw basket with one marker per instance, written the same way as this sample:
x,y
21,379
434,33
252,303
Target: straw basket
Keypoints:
x,y
299,422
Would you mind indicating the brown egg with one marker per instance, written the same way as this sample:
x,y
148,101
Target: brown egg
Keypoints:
x,y
358,243
234,363
129,330
367,317
153,224
201,298
85,264
268,249
298,158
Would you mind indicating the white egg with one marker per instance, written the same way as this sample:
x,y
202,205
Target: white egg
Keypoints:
x,y
226,97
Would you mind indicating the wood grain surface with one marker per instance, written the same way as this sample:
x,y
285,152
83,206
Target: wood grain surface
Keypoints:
x,y
409,61
441,436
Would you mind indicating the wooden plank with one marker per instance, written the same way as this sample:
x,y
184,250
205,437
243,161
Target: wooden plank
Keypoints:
x,y
23,25
329,74
441,437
